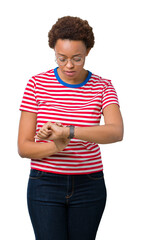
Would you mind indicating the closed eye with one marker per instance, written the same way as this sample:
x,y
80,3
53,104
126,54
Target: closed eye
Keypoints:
x,y
62,59
77,59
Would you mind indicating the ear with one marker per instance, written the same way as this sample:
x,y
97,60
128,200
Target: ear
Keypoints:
x,y
88,50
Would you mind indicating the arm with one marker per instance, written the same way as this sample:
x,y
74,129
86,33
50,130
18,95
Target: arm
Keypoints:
x,y
111,132
27,147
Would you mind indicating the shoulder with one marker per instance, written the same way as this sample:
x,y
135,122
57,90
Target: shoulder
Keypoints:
x,y
103,82
45,74
43,77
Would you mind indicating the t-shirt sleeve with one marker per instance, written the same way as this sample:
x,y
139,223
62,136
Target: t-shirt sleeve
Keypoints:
x,y
29,102
109,95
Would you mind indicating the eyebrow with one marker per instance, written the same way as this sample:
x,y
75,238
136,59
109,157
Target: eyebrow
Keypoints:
x,y
79,54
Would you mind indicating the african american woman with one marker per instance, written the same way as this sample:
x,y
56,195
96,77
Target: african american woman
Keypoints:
x,y
60,132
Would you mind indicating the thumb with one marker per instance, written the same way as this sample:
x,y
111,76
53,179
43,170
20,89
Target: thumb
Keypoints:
x,y
48,125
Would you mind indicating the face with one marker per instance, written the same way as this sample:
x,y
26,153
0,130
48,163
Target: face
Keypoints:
x,y
75,53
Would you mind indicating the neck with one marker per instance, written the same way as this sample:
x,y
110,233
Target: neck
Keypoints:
x,y
79,78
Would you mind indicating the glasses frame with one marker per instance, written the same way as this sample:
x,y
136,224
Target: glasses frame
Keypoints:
x,y
69,59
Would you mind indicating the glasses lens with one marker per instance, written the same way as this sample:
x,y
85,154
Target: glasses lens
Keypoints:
x,y
61,61
75,61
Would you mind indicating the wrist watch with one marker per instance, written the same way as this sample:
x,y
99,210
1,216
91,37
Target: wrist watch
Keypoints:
x,y
71,135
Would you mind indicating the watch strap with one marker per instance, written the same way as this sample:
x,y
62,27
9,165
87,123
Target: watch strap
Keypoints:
x,y
71,135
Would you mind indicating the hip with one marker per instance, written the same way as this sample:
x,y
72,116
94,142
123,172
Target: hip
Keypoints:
x,y
75,190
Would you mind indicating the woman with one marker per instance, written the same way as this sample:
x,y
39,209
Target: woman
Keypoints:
x,y
60,132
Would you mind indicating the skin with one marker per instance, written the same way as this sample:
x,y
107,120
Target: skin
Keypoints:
x,y
110,132
70,49
27,147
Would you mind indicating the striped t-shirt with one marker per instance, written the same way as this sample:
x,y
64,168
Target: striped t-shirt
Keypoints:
x,y
80,105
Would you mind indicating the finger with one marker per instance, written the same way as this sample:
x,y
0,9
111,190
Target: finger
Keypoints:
x,y
59,124
43,131
48,126
45,126
41,135
36,137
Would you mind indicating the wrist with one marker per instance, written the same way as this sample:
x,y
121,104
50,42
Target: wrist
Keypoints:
x,y
71,135
66,132
55,147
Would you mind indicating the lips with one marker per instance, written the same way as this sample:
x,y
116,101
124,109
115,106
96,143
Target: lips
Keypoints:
x,y
70,73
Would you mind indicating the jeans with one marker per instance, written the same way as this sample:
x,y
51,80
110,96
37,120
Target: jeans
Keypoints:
x,y
65,207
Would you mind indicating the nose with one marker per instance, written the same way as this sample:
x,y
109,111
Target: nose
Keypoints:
x,y
69,64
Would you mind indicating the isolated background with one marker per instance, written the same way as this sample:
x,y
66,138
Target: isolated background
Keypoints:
x,y
24,52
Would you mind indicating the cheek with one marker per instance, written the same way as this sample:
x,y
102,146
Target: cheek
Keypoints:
x,y
79,68
61,68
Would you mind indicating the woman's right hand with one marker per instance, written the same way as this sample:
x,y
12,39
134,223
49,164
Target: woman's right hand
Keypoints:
x,y
53,131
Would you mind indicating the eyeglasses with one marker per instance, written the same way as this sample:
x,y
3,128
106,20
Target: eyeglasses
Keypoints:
x,y
62,61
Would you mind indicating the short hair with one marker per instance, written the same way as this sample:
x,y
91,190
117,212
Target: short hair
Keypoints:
x,y
72,28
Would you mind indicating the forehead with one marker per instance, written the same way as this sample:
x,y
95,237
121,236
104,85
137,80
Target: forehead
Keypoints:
x,y
69,47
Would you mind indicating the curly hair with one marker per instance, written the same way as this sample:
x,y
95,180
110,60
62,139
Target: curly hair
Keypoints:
x,y
72,28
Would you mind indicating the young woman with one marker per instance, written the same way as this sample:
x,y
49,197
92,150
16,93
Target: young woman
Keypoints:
x,y
60,131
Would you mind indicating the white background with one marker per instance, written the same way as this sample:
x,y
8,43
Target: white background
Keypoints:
x,y
24,52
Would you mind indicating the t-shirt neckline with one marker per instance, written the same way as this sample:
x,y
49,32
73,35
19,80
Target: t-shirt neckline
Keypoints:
x,y
72,85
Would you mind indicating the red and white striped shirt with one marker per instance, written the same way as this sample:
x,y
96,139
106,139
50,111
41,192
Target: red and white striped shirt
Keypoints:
x,y
79,105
